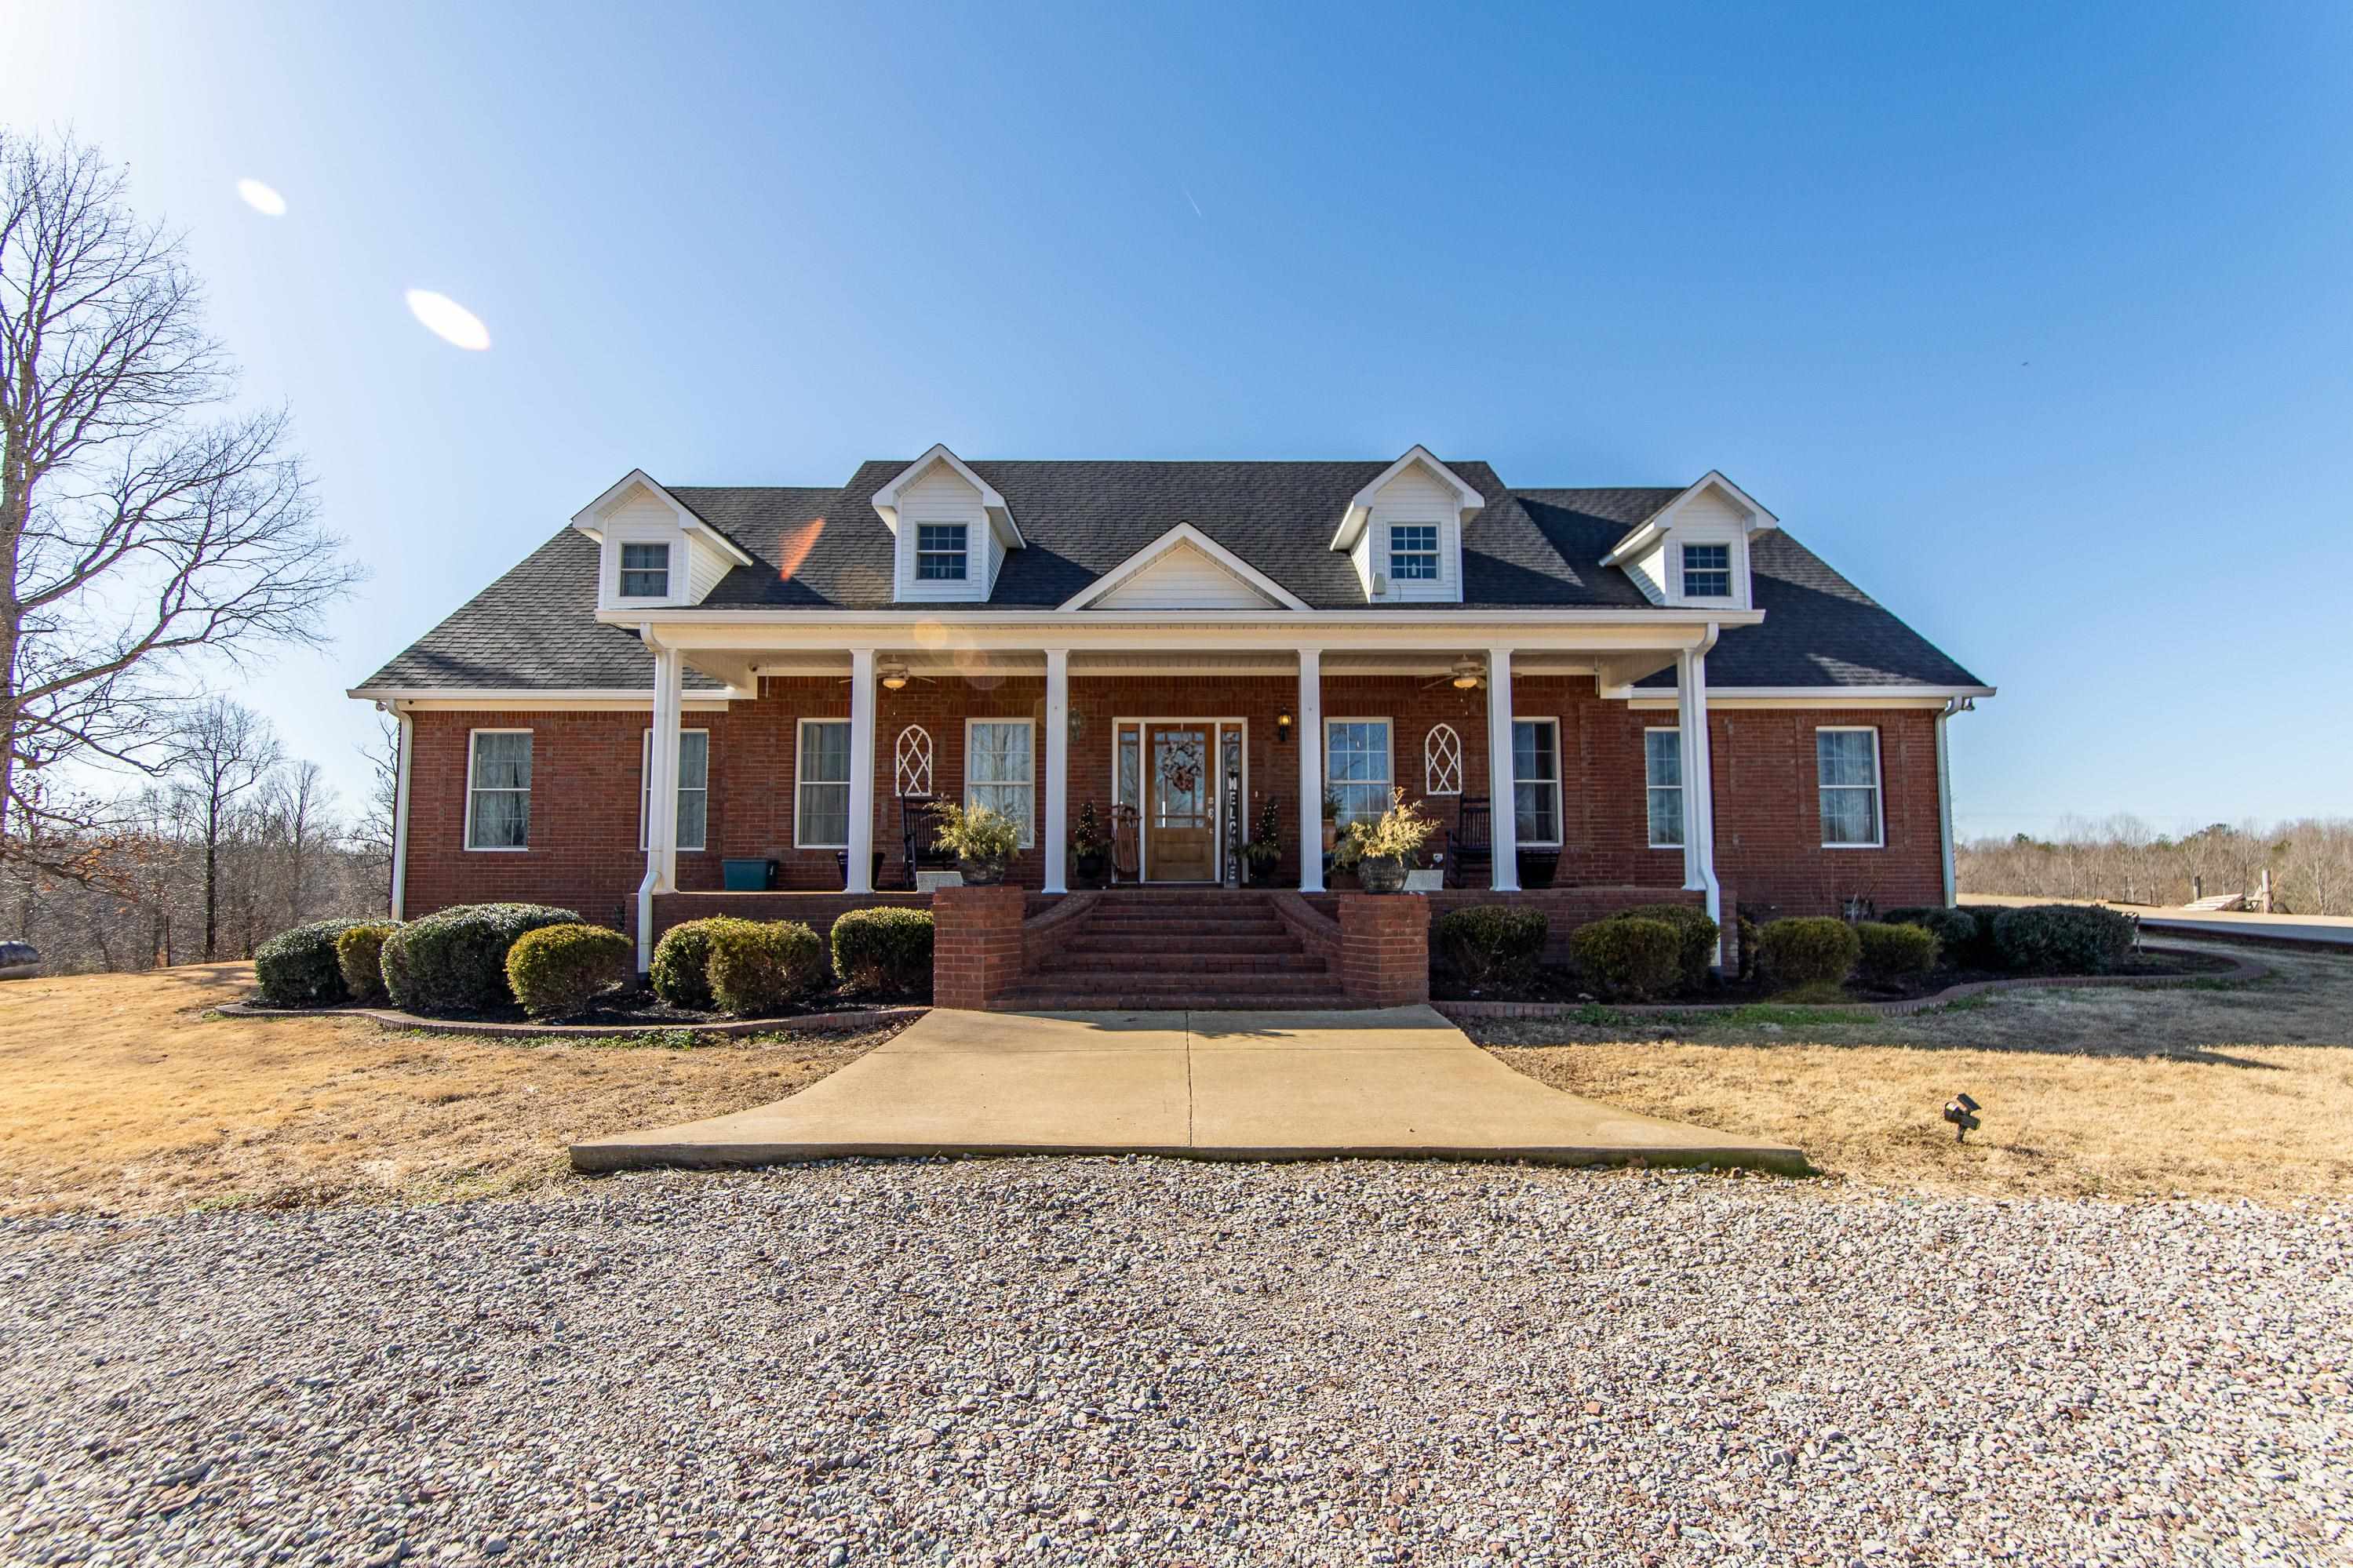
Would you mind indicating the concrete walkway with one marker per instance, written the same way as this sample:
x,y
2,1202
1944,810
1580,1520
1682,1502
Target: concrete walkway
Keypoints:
x,y
1238,1085
2320,931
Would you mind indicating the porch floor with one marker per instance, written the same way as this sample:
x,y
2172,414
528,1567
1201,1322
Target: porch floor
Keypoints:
x,y
1399,1081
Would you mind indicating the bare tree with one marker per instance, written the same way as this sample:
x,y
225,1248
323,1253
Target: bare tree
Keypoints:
x,y
372,831
223,751
140,522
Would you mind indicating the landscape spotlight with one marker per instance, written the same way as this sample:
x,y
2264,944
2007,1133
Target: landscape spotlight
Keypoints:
x,y
1962,1112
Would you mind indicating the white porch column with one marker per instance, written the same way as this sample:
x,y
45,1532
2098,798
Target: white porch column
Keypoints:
x,y
862,769
1311,770
1699,779
1503,815
661,796
407,748
1057,767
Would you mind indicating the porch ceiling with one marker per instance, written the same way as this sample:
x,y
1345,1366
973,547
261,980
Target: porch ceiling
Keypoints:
x,y
1097,666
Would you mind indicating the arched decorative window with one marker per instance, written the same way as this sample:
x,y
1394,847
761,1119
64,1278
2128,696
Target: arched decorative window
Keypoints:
x,y
1442,761
915,757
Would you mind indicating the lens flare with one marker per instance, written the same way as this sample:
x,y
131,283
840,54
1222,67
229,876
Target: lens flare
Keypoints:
x,y
793,548
261,198
448,319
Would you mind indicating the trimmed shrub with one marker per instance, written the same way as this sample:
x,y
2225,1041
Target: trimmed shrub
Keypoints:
x,y
2062,939
1492,945
883,949
454,960
359,953
682,968
762,966
1698,932
1955,930
1896,952
556,970
1805,951
1627,957
296,968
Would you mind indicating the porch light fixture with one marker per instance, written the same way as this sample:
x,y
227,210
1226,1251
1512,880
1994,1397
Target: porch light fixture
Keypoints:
x,y
1282,728
1466,674
894,677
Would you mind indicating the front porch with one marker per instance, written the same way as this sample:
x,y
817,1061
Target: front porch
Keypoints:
x,y
1183,757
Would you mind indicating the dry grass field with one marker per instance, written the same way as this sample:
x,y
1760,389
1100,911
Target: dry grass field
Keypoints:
x,y
2222,1091
118,1093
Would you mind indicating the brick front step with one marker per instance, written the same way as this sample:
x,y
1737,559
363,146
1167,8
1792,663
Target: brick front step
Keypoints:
x,y
1189,961
1108,944
1028,999
1193,980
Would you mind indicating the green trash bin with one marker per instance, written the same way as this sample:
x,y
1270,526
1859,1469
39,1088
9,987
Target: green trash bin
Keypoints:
x,y
747,876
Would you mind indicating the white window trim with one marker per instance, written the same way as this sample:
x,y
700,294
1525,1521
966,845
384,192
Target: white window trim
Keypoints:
x,y
621,570
524,847
1432,775
1647,786
1732,561
801,779
1388,747
645,793
1437,554
1559,798
1029,822
915,559
1878,784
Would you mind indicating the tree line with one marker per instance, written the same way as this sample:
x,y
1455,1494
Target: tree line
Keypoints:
x,y
2124,860
231,844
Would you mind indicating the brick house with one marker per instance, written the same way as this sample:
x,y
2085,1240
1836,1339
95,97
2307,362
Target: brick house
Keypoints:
x,y
1607,696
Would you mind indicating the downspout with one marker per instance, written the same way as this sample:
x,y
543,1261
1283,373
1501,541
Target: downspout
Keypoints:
x,y
403,748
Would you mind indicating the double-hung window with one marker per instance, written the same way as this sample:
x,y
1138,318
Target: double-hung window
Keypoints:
x,y
1357,767
1662,775
821,786
1535,781
1708,571
999,772
498,790
939,554
693,790
1846,765
645,570
1413,552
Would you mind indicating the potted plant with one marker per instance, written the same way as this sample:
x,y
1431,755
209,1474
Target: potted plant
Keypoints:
x,y
1265,847
1331,819
1386,847
982,840
1090,846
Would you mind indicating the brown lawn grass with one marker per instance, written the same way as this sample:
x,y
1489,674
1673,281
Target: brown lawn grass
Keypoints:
x,y
118,1093
2224,1092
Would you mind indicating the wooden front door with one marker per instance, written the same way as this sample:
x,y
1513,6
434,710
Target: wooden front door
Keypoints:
x,y
1180,817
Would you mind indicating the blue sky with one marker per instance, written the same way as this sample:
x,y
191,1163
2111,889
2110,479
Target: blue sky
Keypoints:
x,y
2035,321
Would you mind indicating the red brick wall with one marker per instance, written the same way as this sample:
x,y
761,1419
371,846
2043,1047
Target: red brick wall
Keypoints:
x,y
1384,950
977,945
585,784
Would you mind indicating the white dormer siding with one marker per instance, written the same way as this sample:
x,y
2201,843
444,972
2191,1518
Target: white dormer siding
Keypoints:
x,y
943,498
1185,578
1714,515
693,558
1414,509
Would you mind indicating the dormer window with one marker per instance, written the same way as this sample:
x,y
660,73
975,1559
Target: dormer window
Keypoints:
x,y
645,570
1708,571
940,552
1413,552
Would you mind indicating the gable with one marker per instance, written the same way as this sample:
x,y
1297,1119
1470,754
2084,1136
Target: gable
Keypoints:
x,y
1185,578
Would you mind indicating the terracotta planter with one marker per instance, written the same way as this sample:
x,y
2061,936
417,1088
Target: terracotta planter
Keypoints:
x,y
982,873
1331,835
1381,873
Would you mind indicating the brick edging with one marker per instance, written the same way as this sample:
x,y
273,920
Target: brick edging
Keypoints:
x,y
798,1024
2242,969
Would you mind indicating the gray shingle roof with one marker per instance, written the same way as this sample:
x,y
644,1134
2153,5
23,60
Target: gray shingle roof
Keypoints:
x,y
535,627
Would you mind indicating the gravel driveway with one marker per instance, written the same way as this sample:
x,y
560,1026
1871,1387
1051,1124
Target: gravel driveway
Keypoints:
x,y
1137,1361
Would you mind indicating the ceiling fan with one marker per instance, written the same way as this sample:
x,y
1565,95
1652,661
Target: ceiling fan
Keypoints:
x,y
1469,674
893,674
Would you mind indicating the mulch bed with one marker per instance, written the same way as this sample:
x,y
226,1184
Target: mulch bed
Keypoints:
x,y
628,1011
1557,987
